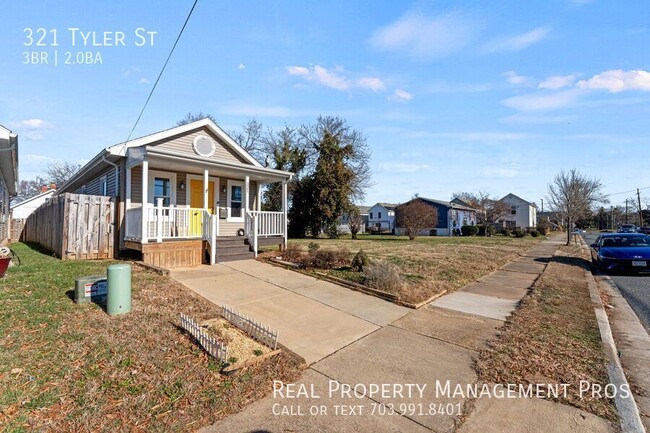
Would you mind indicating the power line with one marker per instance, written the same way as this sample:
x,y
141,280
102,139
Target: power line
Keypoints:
x,y
161,71
626,192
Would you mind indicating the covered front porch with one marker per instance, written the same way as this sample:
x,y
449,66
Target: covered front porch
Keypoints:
x,y
204,209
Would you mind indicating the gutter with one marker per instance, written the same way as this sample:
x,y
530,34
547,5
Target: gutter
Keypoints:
x,y
117,174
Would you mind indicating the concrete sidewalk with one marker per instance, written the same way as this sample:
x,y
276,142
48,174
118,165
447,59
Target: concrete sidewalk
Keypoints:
x,y
391,347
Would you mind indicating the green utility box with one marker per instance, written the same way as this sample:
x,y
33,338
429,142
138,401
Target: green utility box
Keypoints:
x,y
87,289
118,300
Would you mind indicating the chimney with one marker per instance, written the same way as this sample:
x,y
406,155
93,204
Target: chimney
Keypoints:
x,y
53,186
43,188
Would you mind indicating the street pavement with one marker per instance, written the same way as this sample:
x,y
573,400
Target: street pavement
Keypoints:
x,y
376,367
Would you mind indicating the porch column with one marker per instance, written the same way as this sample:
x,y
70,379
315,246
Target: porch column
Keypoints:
x,y
206,188
259,196
247,192
284,210
127,203
145,195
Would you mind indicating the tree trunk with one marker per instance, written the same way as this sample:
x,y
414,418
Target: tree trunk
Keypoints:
x,y
568,232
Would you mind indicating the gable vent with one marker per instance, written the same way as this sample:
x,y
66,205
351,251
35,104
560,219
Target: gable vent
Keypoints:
x,y
204,146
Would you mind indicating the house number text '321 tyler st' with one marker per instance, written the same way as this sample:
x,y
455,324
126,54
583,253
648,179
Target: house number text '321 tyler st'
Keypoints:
x,y
79,41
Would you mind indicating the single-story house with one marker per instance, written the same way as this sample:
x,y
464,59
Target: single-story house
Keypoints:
x,y
26,207
381,217
186,192
345,219
8,178
523,214
451,215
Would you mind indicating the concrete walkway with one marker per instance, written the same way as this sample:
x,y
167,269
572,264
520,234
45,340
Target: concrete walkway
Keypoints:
x,y
314,318
363,342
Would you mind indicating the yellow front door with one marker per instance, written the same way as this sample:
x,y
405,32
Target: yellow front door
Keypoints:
x,y
196,202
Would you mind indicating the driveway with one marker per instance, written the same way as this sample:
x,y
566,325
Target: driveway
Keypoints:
x,y
314,318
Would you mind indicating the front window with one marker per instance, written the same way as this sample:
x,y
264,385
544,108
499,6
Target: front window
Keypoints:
x,y
379,215
513,210
162,189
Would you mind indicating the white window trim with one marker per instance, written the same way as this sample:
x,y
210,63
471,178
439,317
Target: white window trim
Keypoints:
x,y
103,185
188,189
231,183
163,174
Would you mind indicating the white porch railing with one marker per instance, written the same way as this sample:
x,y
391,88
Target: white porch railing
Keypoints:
x,y
173,223
260,224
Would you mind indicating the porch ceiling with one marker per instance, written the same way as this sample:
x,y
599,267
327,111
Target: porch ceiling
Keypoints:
x,y
166,161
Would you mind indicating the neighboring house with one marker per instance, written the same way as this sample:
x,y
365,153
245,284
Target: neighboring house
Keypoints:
x,y
25,208
8,178
523,214
381,217
451,215
185,194
345,219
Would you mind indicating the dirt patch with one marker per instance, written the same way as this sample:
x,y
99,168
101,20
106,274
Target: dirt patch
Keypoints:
x,y
241,347
76,369
553,338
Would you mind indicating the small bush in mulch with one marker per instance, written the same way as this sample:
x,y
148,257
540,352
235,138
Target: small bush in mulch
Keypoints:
x,y
312,248
383,276
360,261
534,233
293,253
329,259
506,232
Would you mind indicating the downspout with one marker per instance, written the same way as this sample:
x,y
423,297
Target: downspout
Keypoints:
x,y
117,174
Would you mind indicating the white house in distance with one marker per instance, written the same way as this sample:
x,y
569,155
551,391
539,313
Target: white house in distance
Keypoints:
x,y
26,207
522,214
382,217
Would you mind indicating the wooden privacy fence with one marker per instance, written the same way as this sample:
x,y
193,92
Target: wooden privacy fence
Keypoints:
x,y
209,344
16,228
256,330
74,226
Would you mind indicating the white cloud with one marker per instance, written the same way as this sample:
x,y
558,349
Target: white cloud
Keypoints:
x,y
535,119
424,38
144,81
241,67
541,102
336,78
401,95
557,82
372,83
514,78
33,124
618,80
516,42
402,167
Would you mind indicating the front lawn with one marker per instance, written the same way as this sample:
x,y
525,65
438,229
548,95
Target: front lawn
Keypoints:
x,y
429,265
67,367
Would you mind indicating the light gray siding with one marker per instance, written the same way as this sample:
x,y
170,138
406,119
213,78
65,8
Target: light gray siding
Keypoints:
x,y
183,144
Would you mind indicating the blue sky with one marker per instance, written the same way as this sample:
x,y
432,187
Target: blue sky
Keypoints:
x,y
452,96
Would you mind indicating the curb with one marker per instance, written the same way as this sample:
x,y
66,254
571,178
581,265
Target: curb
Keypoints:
x,y
628,410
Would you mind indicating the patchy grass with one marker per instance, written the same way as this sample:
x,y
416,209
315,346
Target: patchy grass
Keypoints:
x,y
66,367
429,264
553,337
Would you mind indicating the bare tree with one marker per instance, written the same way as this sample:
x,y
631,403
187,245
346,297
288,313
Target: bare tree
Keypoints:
x,y
355,221
60,172
489,210
191,117
415,216
572,195
252,139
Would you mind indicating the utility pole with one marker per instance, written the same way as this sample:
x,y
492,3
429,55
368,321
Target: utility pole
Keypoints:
x,y
625,211
612,217
542,204
638,195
